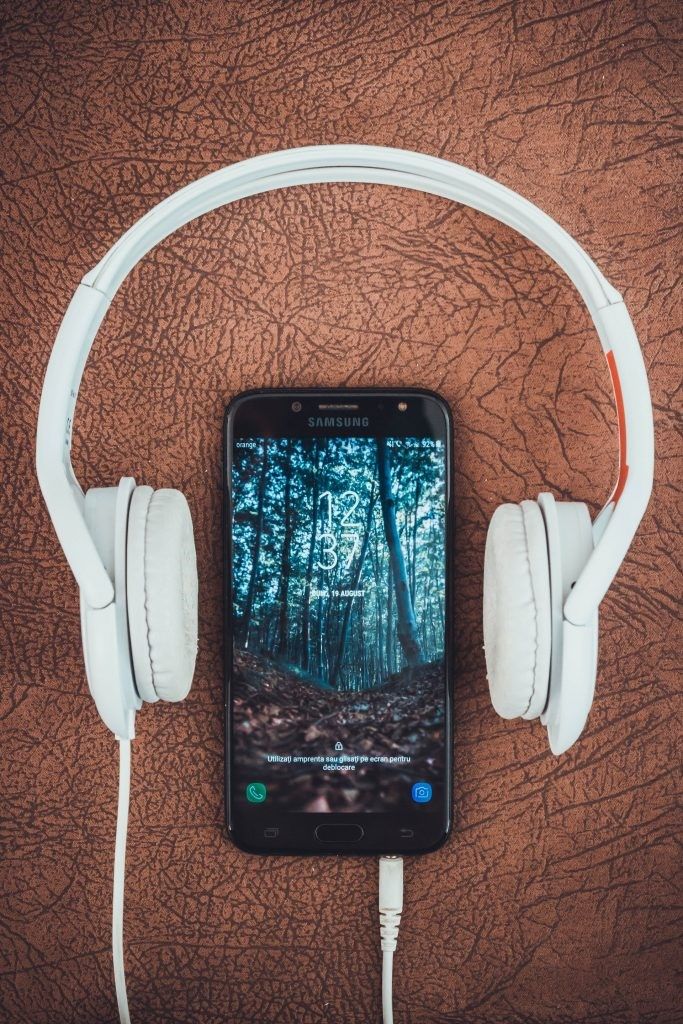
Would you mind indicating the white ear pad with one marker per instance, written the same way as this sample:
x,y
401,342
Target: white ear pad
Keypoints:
x,y
517,611
162,593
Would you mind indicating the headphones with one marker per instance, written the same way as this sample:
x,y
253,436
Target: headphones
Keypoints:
x,y
546,566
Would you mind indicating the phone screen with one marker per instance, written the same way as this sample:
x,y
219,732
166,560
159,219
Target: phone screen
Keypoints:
x,y
338,681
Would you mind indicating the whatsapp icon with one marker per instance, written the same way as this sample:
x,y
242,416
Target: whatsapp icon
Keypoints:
x,y
256,792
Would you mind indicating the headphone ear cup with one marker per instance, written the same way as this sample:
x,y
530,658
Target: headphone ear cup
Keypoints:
x,y
162,593
517,611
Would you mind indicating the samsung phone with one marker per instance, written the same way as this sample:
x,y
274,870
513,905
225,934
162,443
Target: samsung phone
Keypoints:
x,y
337,610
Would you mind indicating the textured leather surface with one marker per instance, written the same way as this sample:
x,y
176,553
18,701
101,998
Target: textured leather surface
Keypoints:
x,y
553,900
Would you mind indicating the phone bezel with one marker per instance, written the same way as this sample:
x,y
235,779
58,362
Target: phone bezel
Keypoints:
x,y
381,830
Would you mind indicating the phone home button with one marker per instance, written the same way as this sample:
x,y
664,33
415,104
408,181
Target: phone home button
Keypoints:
x,y
339,833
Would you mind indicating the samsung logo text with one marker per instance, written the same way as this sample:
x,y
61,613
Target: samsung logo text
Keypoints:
x,y
338,421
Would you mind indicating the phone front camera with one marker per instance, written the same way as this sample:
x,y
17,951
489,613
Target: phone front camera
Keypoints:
x,y
296,406
402,406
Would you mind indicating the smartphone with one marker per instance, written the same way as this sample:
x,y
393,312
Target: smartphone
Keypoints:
x,y
337,517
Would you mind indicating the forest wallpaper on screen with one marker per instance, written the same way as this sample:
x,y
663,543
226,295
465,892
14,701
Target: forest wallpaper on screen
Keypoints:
x,y
338,578
338,555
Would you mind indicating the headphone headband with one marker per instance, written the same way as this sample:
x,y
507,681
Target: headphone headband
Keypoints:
x,y
618,521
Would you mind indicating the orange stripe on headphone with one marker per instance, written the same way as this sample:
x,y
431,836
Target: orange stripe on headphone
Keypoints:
x,y
621,428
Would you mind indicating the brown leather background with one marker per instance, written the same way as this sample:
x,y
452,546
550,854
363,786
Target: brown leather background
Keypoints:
x,y
554,900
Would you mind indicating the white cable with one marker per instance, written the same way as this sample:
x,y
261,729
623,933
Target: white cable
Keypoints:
x,y
387,986
119,881
390,908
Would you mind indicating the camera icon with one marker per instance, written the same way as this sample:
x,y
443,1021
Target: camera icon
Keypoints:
x,y
422,792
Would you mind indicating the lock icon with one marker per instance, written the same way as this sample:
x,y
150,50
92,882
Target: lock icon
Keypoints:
x,y
338,746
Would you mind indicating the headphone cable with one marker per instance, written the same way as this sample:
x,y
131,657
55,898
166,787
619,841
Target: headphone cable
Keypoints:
x,y
119,881
390,909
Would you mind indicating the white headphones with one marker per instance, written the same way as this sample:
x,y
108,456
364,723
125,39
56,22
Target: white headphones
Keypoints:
x,y
546,568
